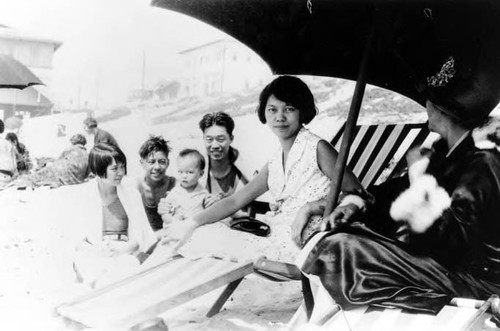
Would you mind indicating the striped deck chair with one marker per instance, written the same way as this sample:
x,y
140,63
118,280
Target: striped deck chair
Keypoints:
x,y
459,314
135,300
146,295
377,154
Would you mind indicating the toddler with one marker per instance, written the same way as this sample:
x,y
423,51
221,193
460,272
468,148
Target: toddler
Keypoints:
x,y
187,197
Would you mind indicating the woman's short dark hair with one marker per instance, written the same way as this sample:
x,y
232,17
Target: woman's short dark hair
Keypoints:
x,y
193,152
152,145
218,118
102,155
293,91
78,139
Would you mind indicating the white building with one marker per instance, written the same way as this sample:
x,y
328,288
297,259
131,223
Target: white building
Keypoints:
x,y
219,67
36,53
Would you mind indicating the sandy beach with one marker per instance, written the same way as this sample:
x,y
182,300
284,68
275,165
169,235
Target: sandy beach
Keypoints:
x,y
36,247
36,251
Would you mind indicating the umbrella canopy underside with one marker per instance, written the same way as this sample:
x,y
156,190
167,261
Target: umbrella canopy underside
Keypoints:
x,y
328,38
14,74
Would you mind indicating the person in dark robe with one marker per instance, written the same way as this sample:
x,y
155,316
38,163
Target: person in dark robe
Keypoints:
x,y
432,234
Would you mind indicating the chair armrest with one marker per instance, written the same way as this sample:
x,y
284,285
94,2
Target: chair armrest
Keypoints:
x,y
277,271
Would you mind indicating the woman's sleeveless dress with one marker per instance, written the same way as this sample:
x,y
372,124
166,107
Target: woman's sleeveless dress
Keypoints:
x,y
291,186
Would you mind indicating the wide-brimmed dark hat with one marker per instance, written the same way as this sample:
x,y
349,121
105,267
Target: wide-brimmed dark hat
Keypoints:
x,y
458,65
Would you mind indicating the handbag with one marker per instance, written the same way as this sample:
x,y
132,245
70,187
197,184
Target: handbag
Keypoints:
x,y
251,225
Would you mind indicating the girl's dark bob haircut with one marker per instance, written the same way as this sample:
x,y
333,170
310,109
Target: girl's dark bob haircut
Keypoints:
x,y
293,91
102,155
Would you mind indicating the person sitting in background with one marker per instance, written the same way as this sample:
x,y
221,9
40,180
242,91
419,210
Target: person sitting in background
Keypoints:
x,y
100,136
155,184
115,227
24,164
188,197
8,163
70,168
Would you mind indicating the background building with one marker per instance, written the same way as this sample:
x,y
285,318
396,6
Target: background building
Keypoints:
x,y
36,53
222,66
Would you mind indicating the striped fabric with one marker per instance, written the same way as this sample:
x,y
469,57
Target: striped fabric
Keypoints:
x,y
377,151
368,318
152,292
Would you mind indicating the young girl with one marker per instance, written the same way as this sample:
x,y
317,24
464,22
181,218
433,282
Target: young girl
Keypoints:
x,y
116,229
298,173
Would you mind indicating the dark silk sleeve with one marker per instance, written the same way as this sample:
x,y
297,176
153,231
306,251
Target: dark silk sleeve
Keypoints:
x,y
451,237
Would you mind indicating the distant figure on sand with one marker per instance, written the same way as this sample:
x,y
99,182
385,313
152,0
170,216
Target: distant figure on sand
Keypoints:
x,y
8,163
24,164
70,168
115,226
154,184
188,197
100,136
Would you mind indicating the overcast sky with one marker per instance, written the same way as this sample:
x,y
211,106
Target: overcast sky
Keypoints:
x,y
104,42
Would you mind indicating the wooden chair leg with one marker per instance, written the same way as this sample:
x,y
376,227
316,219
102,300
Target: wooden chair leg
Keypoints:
x,y
477,320
223,297
308,296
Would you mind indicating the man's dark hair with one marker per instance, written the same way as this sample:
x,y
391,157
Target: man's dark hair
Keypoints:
x,y
152,145
218,118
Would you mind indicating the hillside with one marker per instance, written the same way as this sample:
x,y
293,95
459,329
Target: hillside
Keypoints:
x,y
332,98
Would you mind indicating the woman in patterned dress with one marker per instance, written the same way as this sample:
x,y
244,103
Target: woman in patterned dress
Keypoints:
x,y
298,173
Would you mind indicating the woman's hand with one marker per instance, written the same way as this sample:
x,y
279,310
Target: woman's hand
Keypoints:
x,y
341,215
302,218
299,223
178,232
212,199
168,219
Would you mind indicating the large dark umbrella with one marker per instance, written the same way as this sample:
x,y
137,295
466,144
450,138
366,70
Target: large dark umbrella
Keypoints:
x,y
394,44
13,74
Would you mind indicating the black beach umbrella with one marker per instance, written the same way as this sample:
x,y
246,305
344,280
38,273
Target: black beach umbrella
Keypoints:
x,y
13,74
395,44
